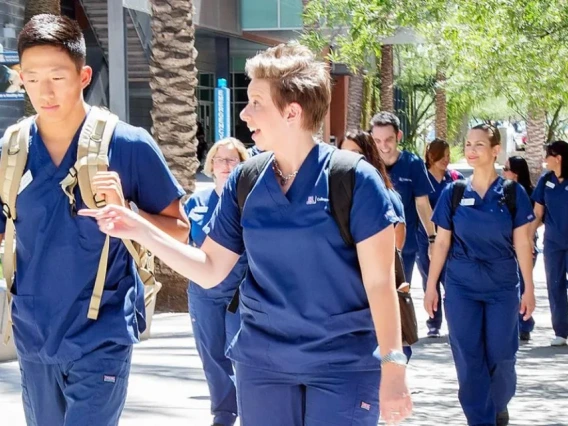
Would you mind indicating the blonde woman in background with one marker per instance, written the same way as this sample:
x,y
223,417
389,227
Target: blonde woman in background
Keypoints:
x,y
213,326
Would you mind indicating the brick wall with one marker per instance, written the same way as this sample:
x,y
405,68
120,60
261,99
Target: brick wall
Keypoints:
x,y
11,21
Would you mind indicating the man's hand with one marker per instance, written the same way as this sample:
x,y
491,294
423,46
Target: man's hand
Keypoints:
x,y
107,186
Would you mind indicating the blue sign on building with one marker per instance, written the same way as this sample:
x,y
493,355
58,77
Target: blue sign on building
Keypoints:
x,y
222,110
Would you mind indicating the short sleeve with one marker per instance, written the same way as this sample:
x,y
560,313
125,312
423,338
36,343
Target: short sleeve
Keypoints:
x,y
442,215
420,183
153,186
538,193
225,225
396,202
372,210
524,213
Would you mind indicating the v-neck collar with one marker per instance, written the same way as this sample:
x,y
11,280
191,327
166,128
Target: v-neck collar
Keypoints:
x,y
444,178
68,158
301,181
489,191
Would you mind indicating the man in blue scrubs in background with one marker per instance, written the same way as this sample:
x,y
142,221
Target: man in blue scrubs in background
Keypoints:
x,y
410,179
75,370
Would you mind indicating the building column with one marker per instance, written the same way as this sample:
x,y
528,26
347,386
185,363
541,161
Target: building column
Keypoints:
x,y
117,58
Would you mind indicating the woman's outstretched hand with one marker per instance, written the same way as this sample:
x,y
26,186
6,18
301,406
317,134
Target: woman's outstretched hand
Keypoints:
x,y
119,222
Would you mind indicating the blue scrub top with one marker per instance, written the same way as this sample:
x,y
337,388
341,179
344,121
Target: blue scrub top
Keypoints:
x,y
58,253
199,209
304,308
553,195
434,197
410,180
482,258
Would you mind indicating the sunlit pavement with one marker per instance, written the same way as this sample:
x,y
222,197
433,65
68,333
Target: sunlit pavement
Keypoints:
x,y
167,385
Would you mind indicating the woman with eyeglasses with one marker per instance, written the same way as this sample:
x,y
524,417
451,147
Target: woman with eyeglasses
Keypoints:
x,y
482,236
551,206
517,169
213,326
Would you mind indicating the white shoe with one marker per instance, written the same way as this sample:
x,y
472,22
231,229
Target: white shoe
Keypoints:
x,y
558,341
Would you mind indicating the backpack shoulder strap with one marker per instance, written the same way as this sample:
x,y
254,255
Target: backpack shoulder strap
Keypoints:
x,y
12,165
458,190
341,186
250,171
92,157
510,194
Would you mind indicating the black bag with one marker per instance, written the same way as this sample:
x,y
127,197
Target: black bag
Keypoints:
x,y
341,186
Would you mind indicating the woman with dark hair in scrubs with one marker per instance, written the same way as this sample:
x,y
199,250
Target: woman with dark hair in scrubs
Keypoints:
x,y
437,159
517,169
551,206
313,308
481,241
363,143
213,326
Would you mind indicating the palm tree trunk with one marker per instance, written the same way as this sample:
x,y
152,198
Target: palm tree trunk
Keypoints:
x,y
536,138
355,100
441,105
387,78
174,113
32,8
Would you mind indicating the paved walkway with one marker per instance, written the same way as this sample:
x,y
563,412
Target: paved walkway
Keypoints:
x,y
167,385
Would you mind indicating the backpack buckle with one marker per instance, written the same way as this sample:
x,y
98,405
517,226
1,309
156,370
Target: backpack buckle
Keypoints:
x,y
6,210
96,138
99,203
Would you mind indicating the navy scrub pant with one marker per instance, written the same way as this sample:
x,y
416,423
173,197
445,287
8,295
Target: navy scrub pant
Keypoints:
x,y
214,328
555,265
88,392
423,262
484,339
282,399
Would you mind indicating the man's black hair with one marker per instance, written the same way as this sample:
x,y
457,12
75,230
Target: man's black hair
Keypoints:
x,y
57,31
385,118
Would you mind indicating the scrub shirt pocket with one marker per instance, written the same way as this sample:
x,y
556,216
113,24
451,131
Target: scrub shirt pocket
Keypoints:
x,y
351,336
90,237
26,331
248,345
366,409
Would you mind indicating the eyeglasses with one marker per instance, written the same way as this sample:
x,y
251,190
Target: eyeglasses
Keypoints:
x,y
228,161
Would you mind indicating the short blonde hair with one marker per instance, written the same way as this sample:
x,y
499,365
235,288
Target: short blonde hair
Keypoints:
x,y
296,76
237,144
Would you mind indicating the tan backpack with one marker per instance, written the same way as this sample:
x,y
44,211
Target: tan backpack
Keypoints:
x,y
92,157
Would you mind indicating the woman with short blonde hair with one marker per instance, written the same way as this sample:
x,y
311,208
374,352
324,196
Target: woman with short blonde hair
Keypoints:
x,y
227,142
213,326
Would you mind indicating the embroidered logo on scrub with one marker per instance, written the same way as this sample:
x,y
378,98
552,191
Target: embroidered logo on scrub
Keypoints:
x,y
365,406
313,200
109,379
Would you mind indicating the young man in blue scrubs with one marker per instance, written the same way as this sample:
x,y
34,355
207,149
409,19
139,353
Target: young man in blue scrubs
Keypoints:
x,y
409,177
312,306
486,245
75,370
551,197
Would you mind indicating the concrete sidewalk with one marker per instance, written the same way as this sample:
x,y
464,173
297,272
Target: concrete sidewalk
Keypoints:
x,y
167,385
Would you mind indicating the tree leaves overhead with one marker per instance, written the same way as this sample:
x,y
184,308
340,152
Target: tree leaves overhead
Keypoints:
x,y
515,49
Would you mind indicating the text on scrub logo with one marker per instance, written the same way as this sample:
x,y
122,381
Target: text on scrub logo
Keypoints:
x,y
312,199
